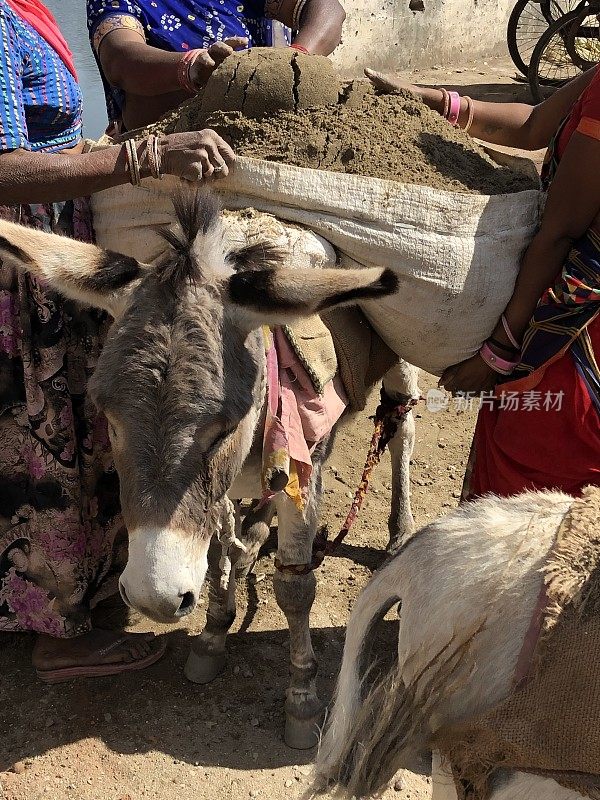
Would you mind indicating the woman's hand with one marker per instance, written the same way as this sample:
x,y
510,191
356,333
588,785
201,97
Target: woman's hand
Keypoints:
x,y
208,60
434,98
389,84
196,156
472,377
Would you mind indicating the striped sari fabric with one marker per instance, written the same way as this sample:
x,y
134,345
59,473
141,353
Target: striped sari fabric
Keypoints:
x,y
565,312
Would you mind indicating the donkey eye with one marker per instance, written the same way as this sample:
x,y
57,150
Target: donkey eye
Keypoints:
x,y
112,431
211,435
221,439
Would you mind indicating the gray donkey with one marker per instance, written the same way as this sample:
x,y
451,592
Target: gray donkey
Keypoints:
x,y
181,381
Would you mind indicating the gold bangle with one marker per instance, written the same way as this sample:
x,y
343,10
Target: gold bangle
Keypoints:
x,y
128,160
297,14
152,155
133,162
157,158
136,163
446,98
471,116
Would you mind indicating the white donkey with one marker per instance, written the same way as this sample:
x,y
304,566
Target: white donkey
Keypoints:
x,y
182,382
473,576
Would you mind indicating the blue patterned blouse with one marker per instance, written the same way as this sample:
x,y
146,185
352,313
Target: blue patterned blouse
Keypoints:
x,y
180,25
40,101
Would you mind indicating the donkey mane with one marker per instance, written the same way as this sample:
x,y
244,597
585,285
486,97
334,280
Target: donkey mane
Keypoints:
x,y
197,213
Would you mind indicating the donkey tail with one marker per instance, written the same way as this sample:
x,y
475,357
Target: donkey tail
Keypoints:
x,y
354,721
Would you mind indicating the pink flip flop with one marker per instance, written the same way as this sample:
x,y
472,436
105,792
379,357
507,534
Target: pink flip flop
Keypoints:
x,y
68,673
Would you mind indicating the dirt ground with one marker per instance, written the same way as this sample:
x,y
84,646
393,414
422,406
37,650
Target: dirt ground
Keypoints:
x,y
153,735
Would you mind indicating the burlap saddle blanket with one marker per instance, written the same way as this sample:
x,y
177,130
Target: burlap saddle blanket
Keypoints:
x,y
550,726
342,340
315,372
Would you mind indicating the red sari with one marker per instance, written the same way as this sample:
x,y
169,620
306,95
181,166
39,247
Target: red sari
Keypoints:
x,y
539,449
543,429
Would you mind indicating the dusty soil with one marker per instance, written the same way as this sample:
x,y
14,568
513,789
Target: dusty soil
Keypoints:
x,y
157,737
153,735
396,137
262,81
257,83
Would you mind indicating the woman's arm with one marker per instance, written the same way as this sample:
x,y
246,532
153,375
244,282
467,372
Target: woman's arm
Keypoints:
x,y
27,177
509,124
319,24
152,79
139,69
573,206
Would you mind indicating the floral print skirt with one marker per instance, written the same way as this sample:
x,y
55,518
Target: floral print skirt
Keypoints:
x,y
62,538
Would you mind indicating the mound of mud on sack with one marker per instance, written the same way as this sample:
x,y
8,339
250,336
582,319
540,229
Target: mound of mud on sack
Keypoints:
x,y
374,180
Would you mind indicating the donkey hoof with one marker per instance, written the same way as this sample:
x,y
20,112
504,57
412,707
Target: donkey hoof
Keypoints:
x,y
243,572
398,540
203,668
302,734
393,546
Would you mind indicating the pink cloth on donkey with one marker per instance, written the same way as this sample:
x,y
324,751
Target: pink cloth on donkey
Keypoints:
x,y
298,419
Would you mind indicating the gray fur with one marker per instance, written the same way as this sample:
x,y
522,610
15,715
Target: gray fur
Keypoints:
x,y
181,380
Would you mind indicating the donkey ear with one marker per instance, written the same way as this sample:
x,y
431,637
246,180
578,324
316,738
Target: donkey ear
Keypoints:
x,y
261,255
278,296
80,271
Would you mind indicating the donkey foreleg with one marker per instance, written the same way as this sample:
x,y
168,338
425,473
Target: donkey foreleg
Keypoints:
x,y
256,528
207,658
295,594
401,385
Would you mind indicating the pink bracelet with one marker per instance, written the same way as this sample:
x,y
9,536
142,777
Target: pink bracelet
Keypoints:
x,y
446,99
183,70
454,112
470,114
300,48
497,363
509,333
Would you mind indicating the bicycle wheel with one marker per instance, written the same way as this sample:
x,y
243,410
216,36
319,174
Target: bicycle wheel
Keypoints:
x,y
564,51
583,39
528,21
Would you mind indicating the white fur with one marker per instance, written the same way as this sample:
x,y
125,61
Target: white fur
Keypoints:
x,y
477,571
521,786
63,262
163,565
510,786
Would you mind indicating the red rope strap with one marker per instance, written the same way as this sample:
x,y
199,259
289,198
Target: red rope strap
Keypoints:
x,y
387,419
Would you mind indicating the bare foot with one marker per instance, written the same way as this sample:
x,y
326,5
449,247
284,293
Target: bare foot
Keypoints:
x,y
95,652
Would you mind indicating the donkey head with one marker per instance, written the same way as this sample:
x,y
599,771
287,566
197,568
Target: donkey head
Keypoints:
x,y
181,376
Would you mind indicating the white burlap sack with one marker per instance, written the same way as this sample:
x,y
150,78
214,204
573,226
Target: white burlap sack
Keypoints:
x,y
128,220
457,255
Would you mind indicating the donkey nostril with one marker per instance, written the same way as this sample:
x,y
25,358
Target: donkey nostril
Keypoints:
x,y
123,594
188,604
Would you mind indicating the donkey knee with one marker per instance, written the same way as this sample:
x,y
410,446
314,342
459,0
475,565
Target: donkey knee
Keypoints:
x,y
256,528
295,595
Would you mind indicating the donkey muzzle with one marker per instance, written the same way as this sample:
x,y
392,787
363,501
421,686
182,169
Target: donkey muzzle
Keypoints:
x,y
164,573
